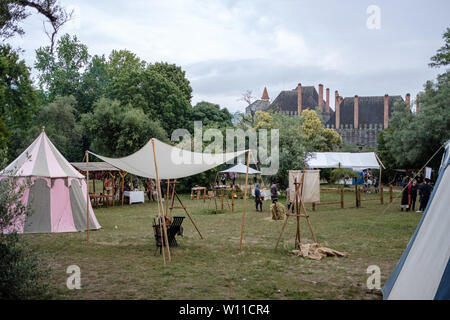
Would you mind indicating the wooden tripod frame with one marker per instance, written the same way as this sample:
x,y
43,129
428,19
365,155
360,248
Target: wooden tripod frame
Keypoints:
x,y
173,184
298,206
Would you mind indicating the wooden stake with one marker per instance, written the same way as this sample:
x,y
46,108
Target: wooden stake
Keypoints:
x,y
158,182
87,196
381,194
245,200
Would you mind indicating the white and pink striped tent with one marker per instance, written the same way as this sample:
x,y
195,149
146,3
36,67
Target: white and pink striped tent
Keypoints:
x,y
57,193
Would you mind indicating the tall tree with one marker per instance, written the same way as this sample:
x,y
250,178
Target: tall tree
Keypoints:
x,y
158,97
17,97
442,56
118,130
211,115
175,74
60,74
60,120
94,84
12,12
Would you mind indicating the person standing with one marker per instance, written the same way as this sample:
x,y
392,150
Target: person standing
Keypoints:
x,y
425,191
224,179
413,195
405,200
274,192
258,200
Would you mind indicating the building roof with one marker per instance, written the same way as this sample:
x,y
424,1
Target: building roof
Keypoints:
x,y
288,100
257,105
371,109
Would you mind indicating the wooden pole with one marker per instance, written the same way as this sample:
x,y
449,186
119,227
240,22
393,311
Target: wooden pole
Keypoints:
x,y
245,200
167,197
158,182
342,198
189,216
390,193
297,236
87,196
232,199
381,194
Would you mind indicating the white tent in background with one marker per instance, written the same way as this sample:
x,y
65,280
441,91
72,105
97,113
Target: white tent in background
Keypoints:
x,y
423,272
348,160
241,168
173,162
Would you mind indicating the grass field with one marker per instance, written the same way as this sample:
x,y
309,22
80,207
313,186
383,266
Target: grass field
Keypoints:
x,y
120,263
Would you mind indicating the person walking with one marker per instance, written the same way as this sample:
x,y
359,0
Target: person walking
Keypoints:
x,y
258,200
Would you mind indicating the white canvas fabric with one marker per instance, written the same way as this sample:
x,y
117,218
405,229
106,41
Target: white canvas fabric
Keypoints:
x,y
348,160
311,185
173,162
41,159
241,168
423,272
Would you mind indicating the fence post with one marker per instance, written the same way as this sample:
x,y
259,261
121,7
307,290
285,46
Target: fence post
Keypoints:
x,y
314,206
342,198
381,195
390,193
359,197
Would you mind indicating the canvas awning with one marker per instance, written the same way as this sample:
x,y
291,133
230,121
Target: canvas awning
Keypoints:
x,y
94,166
241,168
348,160
172,162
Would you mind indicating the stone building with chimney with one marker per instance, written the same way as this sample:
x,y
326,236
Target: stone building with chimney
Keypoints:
x,y
358,120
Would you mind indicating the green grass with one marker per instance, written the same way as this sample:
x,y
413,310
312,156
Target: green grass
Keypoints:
x,y
120,263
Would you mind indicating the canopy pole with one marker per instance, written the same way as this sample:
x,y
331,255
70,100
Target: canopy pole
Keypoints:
x,y
87,196
245,200
158,182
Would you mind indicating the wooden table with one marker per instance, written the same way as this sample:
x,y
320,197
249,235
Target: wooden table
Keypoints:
x,y
199,192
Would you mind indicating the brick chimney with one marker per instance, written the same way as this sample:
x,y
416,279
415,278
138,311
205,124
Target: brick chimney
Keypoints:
x,y
299,98
386,111
417,104
321,97
337,109
408,102
328,101
356,112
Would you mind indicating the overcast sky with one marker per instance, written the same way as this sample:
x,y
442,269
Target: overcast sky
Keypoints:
x,y
227,47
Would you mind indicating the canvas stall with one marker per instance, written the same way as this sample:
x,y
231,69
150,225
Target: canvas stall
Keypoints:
x,y
56,194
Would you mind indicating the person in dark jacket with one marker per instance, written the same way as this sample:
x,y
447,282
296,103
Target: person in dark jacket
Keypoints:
x,y
412,193
274,192
258,200
425,193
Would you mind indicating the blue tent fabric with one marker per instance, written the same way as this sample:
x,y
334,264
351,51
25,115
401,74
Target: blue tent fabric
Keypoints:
x,y
443,290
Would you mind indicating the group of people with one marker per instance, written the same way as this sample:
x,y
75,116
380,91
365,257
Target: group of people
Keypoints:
x,y
370,181
232,176
259,198
410,191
